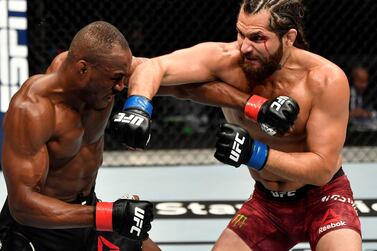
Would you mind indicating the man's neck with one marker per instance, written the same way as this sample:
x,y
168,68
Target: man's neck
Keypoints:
x,y
67,92
288,63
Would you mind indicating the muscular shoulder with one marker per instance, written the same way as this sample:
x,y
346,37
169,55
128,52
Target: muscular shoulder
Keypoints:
x,y
57,62
30,117
329,89
32,103
327,77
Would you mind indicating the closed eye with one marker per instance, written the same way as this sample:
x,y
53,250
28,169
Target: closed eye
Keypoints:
x,y
117,79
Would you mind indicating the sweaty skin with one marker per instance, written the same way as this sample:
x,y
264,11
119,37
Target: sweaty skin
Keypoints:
x,y
311,153
69,162
54,141
215,93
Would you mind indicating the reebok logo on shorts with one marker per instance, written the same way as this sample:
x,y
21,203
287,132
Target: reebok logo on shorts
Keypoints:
x,y
330,220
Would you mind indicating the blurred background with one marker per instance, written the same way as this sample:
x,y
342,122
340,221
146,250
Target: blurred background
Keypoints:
x,y
33,32
342,31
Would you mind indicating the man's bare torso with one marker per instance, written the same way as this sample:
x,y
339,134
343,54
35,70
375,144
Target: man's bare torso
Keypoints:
x,y
76,146
298,81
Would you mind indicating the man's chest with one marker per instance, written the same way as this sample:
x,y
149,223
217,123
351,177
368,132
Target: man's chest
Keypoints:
x,y
74,130
296,91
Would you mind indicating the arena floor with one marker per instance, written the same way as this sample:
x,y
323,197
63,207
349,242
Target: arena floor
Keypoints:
x,y
194,203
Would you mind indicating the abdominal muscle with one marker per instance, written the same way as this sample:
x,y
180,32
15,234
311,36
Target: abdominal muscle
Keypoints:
x,y
75,176
295,142
273,182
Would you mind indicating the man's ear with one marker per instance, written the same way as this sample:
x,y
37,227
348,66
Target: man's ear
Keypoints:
x,y
82,67
290,37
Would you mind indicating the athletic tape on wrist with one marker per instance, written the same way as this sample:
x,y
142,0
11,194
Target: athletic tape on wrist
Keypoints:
x,y
259,156
139,102
252,107
104,216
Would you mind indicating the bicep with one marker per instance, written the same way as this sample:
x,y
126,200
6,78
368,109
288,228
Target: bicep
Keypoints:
x,y
327,123
186,66
197,64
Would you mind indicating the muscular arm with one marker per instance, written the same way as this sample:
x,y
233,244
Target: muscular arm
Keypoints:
x,y
26,166
214,93
202,63
326,131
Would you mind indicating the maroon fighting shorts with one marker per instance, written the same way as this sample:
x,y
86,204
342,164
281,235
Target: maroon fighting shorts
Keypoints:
x,y
272,220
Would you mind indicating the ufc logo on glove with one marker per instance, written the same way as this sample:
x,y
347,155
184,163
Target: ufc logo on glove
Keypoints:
x,y
235,153
138,218
279,102
131,119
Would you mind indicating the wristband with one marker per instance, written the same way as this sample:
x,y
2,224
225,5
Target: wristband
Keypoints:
x,y
252,107
139,102
104,216
259,156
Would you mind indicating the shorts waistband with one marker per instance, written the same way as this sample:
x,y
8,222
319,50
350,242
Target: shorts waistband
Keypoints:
x,y
89,199
291,195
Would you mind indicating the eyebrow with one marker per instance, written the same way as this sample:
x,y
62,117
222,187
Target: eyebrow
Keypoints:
x,y
252,33
119,74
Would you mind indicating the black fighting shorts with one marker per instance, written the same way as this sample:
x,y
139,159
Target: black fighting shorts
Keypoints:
x,y
16,237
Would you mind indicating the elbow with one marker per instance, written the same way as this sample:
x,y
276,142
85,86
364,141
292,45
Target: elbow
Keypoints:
x,y
18,214
157,66
182,92
186,91
323,177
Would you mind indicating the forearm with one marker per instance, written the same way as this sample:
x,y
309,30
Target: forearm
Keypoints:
x,y
185,66
305,167
213,93
146,79
41,211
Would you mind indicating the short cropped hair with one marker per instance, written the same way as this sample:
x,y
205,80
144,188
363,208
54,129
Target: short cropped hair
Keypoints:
x,y
95,39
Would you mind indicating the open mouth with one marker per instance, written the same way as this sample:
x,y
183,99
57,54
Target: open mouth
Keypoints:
x,y
252,61
250,58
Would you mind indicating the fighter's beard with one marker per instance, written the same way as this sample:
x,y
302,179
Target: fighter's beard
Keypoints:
x,y
267,68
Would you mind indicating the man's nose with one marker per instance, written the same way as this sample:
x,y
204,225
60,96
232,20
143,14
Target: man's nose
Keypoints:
x,y
119,87
246,46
